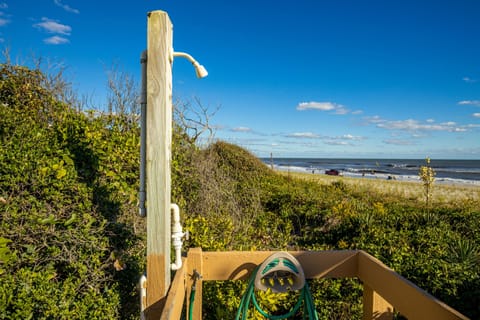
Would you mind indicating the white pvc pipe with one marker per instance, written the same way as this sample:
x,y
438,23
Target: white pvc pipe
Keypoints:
x,y
143,296
199,69
177,235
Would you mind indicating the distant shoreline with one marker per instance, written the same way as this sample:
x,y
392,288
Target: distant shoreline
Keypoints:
x,y
448,172
386,177
444,192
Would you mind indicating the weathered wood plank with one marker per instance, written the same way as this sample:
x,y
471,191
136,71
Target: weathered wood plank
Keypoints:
x,y
176,296
238,265
158,126
410,300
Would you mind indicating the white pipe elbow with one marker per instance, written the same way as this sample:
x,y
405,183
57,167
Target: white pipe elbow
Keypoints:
x,y
199,69
177,235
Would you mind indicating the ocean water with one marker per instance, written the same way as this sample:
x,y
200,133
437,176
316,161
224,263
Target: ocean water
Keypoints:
x,y
447,171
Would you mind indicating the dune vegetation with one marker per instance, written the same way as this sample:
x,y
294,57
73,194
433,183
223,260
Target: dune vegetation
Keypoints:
x,y
442,194
73,247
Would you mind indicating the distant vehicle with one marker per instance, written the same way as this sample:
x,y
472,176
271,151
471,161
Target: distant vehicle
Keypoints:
x,y
332,172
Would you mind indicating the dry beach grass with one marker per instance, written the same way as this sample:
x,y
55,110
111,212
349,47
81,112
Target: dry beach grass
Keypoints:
x,y
411,190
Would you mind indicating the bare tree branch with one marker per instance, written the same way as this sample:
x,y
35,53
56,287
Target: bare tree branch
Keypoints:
x,y
194,118
124,95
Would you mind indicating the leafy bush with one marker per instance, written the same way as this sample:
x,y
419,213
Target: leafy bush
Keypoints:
x,y
66,180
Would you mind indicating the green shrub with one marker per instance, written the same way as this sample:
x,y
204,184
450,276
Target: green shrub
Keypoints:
x,y
67,180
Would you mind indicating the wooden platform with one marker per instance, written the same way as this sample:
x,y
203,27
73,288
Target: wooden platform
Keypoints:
x,y
384,290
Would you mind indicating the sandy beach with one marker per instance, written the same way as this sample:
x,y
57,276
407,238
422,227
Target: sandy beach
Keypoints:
x,y
444,192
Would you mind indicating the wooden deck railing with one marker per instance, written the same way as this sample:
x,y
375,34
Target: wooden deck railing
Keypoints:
x,y
384,290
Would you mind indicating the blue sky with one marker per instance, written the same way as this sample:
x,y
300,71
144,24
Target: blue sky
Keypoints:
x,y
304,78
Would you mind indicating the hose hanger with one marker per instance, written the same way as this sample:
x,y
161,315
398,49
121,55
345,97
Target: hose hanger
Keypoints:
x,y
280,272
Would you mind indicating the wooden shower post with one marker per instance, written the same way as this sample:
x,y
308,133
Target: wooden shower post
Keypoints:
x,y
158,158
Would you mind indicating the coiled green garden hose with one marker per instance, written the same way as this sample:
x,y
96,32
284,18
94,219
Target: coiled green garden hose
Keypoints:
x,y
281,272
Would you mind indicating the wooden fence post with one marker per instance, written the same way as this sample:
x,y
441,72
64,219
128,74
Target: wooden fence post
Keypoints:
x,y
194,277
158,158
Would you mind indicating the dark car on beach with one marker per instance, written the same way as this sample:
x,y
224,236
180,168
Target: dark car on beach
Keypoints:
x,y
332,172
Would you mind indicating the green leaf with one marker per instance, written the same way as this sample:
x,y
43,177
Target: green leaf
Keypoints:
x,y
71,220
62,172
4,241
49,220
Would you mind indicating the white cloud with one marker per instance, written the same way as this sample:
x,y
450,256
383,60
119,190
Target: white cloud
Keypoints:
x,y
308,135
3,5
412,125
472,126
241,129
351,137
476,115
449,123
65,7
326,106
374,119
399,142
3,17
418,136
322,106
469,80
52,26
56,40
341,110
409,125
470,102
343,140
337,143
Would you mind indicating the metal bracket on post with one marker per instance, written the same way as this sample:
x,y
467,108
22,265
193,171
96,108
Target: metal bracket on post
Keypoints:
x,y
143,136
